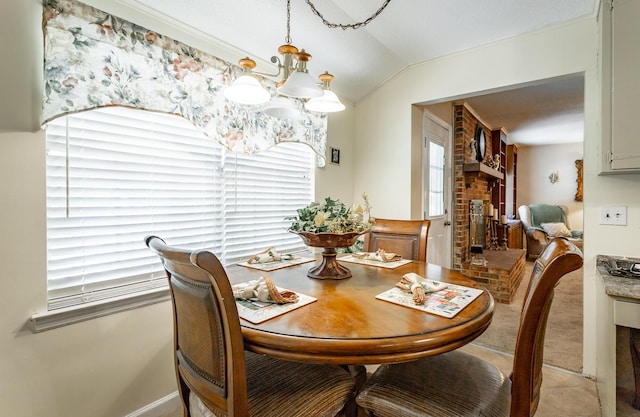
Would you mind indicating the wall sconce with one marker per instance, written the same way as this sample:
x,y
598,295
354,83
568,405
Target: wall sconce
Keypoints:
x,y
553,177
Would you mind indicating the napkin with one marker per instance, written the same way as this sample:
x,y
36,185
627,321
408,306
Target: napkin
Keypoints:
x,y
379,255
263,289
269,255
419,286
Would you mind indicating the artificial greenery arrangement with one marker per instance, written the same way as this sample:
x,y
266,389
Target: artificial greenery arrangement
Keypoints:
x,y
332,216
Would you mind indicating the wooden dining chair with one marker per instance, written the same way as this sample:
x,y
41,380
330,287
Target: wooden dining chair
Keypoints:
x,y
407,238
216,376
459,384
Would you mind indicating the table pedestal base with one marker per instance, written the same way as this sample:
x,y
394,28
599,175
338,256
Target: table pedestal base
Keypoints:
x,y
329,268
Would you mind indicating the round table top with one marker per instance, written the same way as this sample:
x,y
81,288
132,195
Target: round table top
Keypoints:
x,y
348,325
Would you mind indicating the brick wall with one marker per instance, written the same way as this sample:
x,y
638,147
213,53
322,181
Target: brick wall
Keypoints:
x,y
502,274
467,186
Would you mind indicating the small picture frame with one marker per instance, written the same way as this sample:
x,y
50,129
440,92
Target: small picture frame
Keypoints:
x,y
335,156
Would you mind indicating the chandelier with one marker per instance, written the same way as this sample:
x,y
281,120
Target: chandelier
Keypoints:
x,y
296,81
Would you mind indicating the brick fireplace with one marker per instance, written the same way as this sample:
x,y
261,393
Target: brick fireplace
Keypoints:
x,y
467,185
476,181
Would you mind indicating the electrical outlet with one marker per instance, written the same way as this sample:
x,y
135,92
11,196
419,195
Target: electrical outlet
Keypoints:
x,y
616,216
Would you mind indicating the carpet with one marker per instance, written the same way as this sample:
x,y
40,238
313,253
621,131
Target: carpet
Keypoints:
x,y
563,341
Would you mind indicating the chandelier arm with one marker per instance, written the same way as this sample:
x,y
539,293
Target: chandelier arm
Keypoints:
x,y
274,60
345,26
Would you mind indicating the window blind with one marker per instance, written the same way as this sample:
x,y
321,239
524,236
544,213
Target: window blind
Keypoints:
x,y
116,175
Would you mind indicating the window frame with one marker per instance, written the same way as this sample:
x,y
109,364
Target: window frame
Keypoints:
x,y
145,295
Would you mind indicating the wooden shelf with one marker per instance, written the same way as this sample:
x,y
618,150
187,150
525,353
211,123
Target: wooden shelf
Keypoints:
x,y
480,168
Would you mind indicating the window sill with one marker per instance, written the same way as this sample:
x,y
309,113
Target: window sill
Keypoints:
x,y
41,322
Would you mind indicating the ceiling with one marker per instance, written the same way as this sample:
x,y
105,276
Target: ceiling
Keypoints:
x,y
407,32
548,113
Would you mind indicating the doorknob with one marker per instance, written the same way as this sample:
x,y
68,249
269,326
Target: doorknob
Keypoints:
x,y
447,223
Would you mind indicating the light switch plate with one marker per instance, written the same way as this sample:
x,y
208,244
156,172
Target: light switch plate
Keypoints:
x,y
614,215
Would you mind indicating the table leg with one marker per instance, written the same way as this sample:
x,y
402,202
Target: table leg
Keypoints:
x,y
634,339
359,372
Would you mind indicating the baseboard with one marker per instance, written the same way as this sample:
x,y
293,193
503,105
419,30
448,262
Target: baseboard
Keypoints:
x,y
159,408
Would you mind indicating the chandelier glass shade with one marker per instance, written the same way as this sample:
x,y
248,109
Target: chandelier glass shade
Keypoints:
x,y
300,84
246,89
329,101
282,108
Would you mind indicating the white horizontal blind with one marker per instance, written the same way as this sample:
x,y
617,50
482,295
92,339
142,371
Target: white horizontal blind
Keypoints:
x,y
265,188
116,175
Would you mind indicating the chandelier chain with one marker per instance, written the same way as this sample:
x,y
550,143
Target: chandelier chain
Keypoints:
x,y
345,26
288,38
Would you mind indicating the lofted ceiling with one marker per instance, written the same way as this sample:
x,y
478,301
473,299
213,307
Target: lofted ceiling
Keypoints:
x,y
407,32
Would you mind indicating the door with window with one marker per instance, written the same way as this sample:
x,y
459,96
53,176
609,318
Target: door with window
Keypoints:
x,y
437,188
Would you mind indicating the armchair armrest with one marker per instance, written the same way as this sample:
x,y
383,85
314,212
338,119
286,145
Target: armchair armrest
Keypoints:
x,y
536,233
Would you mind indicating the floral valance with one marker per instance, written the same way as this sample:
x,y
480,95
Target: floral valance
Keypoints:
x,y
95,59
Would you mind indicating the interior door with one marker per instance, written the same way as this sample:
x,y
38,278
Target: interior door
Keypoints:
x,y
437,188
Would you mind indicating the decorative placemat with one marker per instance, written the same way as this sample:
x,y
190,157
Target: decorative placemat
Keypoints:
x,y
272,266
256,311
447,302
381,264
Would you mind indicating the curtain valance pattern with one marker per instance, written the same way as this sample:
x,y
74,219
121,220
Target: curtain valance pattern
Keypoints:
x,y
94,59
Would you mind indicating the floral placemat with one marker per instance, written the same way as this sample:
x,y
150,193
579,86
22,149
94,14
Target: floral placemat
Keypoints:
x,y
256,311
272,266
447,302
370,262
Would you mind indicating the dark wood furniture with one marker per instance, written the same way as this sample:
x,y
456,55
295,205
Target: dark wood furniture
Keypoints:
x,y
634,343
460,384
515,234
511,233
511,180
213,370
499,190
348,325
404,237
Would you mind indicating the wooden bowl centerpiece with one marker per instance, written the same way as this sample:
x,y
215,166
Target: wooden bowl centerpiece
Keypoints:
x,y
329,225
329,268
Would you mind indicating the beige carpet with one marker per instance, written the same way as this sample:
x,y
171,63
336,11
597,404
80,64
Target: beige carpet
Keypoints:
x,y
563,343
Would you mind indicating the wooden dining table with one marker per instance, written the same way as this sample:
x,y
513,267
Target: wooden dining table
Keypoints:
x,y
348,325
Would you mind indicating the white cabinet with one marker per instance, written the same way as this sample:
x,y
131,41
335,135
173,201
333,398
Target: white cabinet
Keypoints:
x,y
621,87
626,313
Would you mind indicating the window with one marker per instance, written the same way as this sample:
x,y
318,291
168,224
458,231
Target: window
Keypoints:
x,y
117,175
436,179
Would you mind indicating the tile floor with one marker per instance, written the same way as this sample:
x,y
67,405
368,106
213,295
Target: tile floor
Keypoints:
x,y
564,393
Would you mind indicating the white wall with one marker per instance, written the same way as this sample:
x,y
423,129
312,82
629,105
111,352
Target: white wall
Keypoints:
x,y
536,163
336,181
384,130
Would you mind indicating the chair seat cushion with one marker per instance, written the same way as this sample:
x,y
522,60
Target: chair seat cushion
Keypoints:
x,y
277,388
556,229
451,384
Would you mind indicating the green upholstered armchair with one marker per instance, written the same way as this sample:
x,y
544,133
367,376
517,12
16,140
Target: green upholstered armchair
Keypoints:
x,y
543,222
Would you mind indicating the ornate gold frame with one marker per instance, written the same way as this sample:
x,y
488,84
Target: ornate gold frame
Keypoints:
x,y
579,180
